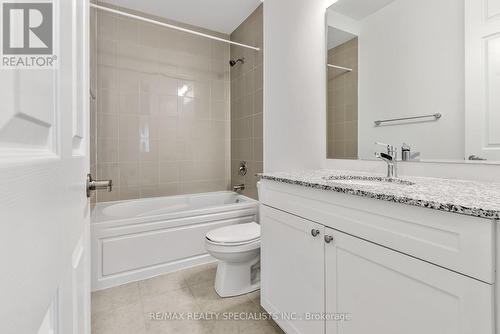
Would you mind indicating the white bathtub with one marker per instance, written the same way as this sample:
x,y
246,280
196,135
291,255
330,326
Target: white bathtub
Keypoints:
x,y
137,239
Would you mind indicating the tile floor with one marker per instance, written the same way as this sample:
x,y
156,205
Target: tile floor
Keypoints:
x,y
126,309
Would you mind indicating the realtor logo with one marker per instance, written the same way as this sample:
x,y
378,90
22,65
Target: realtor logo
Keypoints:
x,y
27,34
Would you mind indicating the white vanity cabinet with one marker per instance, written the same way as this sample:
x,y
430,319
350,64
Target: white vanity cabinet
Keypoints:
x,y
375,266
388,292
294,249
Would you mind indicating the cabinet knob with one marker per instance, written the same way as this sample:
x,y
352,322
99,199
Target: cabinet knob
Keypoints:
x,y
314,232
328,239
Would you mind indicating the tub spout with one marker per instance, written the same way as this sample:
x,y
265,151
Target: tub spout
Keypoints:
x,y
238,188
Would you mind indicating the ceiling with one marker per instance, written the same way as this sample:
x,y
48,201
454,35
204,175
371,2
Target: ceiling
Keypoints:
x,y
219,15
338,37
359,9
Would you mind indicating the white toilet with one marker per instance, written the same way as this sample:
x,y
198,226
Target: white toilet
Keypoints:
x,y
237,247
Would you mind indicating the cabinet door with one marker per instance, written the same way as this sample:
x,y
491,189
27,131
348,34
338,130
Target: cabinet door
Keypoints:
x,y
386,292
292,277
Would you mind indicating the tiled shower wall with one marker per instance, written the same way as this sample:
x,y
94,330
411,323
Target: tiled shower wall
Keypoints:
x,y
247,103
343,102
162,121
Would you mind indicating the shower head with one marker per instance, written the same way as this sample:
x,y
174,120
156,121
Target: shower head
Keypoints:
x,y
234,62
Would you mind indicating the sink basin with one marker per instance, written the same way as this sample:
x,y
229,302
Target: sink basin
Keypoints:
x,y
366,180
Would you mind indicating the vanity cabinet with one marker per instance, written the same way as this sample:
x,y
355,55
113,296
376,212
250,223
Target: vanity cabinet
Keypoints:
x,y
372,269
388,292
294,249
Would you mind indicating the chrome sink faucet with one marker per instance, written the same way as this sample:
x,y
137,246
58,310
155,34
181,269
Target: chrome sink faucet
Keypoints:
x,y
390,158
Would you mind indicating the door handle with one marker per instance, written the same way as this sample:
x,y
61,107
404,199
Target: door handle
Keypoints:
x,y
314,232
93,185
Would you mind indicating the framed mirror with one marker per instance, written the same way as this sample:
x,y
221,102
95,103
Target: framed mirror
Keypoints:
x,y
423,76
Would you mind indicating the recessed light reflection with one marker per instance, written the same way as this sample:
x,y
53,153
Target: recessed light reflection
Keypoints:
x,y
182,91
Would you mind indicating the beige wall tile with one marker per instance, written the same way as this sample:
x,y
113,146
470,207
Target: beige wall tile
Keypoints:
x,y
107,150
149,104
258,102
168,105
129,174
107,171
149,173
105,196
246,101
127,30
107,126
108,101
219,110
342,102
149,150
128,150
107,78
168,189
257,125
129,127
148,139
169,171
129,103
129,193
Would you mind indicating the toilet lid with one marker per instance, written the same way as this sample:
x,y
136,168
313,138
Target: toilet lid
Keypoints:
x,y
235,233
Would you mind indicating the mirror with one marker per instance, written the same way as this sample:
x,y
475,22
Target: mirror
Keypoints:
x,y
416,75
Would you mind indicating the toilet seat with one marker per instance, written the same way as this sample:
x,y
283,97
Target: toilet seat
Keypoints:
x,y
235,235
231,249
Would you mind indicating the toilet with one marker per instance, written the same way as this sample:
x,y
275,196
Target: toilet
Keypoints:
x,y
237,248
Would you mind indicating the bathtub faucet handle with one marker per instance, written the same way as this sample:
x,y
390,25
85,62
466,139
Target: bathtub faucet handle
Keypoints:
x,y
93,185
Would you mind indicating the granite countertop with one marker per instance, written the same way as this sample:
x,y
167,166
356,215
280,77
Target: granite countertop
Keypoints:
x,y
473,198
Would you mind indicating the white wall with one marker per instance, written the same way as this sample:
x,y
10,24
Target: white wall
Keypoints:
x,y
294,84
411,62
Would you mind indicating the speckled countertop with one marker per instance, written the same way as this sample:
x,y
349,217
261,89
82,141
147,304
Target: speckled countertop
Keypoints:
x,y
478,199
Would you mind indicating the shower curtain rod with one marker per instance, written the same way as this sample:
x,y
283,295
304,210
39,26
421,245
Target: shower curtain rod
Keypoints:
x,y
171,26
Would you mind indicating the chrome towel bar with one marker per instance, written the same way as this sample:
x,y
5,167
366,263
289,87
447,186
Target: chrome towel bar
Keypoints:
x,y
339,67
436,117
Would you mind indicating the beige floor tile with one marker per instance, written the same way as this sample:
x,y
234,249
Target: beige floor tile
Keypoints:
x,y
163,283
181,300
127,309
210,301
115,297
254,297
259,327
224,327
181,327
122,320
201,274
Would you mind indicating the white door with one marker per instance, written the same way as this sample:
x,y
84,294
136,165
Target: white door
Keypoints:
x,y
482,61
44,278
386,292
292,264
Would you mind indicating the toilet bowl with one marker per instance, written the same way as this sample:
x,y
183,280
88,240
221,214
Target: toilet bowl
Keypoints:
x,y
237,249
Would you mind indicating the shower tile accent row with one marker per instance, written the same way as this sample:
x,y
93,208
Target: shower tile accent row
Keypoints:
x,y
247,102
162,125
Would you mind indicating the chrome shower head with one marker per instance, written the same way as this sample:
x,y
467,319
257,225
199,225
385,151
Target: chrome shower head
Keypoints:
x,y
234,62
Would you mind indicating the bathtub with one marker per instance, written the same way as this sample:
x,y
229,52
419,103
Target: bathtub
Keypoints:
x,y
137,239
